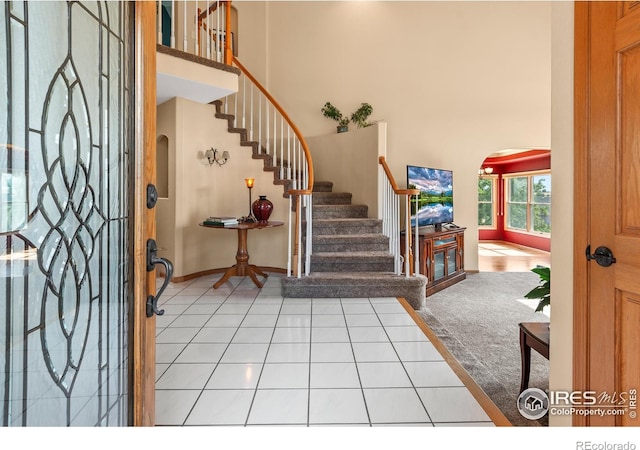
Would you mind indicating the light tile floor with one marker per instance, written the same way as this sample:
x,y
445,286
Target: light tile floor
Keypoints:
x,y
243,356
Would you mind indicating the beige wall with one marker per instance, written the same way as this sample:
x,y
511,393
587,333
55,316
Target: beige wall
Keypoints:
x,y
454,81
561,367
201,190
350,161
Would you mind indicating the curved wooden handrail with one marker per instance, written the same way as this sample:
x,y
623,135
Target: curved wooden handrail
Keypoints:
x,y
392,181
295,129
211,9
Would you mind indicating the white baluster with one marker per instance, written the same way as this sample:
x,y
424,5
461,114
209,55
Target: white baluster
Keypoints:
x,y
260,123
197,27
235,110
159,22
282,147
290,252
173,24
218,34
267,127
288,152
184,30
295,155
251,116
244,95
206,34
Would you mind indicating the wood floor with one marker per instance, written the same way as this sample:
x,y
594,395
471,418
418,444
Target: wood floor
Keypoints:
x,y
500,256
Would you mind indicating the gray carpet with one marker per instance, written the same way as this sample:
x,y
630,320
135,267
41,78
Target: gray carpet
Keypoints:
x,y
477,320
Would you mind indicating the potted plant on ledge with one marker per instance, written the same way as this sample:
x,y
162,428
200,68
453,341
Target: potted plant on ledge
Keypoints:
x,y
359,116
331,112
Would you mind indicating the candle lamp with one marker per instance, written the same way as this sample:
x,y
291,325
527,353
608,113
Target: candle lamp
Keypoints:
x,y
249,182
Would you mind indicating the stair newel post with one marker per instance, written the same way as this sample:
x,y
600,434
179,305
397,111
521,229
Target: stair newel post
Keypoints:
x,y
309,231
407,236
297,237
416,252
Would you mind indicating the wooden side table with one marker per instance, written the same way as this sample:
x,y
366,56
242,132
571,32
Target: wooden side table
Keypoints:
x,y
533,335
242,267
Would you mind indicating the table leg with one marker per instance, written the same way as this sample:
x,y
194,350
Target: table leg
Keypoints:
x,y
242,267
259,271
525,356
228,274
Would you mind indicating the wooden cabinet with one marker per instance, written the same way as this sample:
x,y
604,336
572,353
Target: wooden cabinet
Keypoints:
x,y
441,256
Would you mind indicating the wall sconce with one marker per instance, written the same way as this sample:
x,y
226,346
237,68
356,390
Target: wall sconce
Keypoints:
x,y
212,156
485,171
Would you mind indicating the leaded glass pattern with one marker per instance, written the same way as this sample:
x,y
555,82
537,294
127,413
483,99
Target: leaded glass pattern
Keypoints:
x,y
65,129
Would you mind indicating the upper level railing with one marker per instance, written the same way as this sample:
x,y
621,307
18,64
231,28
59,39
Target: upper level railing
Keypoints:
x,y
391,224
197,27
205,29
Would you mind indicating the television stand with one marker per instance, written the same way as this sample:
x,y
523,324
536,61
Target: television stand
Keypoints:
x,y
441,257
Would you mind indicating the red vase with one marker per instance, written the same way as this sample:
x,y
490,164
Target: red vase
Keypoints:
x,y
262,209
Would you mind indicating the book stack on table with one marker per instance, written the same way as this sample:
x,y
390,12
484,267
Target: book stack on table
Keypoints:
x,y
221,221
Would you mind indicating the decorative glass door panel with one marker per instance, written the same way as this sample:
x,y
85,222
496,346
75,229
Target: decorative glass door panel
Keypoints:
x,y
438,264
451,261
65,137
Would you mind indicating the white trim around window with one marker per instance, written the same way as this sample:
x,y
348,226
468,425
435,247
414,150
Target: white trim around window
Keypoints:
x,y
528,210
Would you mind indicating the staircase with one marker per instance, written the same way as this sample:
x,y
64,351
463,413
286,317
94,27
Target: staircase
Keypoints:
x,y
350,256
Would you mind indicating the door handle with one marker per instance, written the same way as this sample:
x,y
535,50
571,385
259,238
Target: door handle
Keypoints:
x,y
603,256
152,261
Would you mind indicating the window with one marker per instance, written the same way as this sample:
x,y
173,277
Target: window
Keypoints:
x,y
486,201
528,203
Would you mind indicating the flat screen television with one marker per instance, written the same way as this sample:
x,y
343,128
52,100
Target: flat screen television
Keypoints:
x,y
435,203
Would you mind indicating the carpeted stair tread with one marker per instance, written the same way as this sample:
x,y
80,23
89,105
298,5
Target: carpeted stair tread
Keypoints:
x,y
352,262
340,211
357,284
349,243
322,186
361,254
346,226
347,221
360,276
331,198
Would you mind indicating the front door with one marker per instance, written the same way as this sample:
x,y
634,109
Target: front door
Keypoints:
x,y
70,294
607,171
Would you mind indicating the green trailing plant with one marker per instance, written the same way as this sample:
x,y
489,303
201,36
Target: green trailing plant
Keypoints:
x,y
360,115
542,292
331,112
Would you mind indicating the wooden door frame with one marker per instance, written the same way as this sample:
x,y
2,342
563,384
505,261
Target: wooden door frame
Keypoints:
x,y
142,354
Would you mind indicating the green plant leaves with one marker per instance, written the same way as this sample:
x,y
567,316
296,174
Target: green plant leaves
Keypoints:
x,y
543,290
359,116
